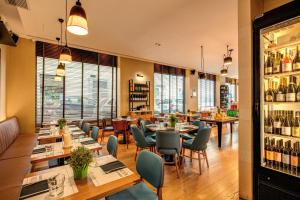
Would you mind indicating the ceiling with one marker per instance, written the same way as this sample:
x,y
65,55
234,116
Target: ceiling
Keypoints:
x,y
132,27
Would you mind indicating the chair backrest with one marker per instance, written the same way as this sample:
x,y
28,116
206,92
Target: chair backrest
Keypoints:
x,y
150,167
112,145
80,123
9,130
168,140
145,130
198,123
86,128
119,125
95,133
139,138
201,139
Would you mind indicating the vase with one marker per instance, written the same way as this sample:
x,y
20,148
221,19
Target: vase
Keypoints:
x,y
80,173
61,131
172,124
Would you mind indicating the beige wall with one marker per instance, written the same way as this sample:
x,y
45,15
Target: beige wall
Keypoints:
x,y
247,11
128,70
3,54
20,84
191,83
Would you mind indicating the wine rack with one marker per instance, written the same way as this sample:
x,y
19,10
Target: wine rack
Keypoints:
x,y
139,95
224,96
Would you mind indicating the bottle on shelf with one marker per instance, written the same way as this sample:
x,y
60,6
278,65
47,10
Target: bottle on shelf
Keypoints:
x,y
285,126
280,93
278,155
286,156
269,96
296,61
277,123
269,64
296,125
268,126
298,90
277,64
270,153
291,90
266,147
295,159
286,62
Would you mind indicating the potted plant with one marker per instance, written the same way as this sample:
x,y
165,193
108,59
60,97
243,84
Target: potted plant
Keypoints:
x,y
61,123
173,120
79,160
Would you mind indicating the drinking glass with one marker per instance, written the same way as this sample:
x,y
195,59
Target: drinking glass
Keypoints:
x,y
49,149
56,186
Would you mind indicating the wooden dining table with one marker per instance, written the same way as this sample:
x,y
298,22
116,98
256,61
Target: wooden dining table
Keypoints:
x,y
184,129
86,189
219,123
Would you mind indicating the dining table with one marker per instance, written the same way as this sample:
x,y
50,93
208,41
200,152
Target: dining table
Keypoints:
x,y
185,128
129,121
51,151
98,184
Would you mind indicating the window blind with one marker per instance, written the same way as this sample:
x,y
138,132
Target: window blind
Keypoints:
x,y
206,91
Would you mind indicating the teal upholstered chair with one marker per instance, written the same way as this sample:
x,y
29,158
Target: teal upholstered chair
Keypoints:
x,y
147,132
95,133
80,124
112,145
198,145
86,128
168,143
191,135
141,141
149,166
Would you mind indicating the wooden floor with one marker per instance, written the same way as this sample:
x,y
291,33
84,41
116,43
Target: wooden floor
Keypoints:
x,y
219,181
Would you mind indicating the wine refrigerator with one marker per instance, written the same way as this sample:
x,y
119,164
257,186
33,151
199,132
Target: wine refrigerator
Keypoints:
x,y
276,104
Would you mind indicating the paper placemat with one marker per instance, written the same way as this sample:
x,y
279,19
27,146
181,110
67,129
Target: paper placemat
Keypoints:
x,y
69,184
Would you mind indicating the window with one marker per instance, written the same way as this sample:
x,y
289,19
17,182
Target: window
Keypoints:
x,y
87,91
168,89
206,91
233,89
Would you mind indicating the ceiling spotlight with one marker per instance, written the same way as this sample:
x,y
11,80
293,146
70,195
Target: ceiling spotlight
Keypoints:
x,y
157,44
77,22
227,57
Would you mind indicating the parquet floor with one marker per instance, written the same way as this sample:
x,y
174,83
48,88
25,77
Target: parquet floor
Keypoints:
x,y
218,182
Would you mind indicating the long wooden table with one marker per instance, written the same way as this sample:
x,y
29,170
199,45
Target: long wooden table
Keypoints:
x,y
60,152
220,123
185,129
88,190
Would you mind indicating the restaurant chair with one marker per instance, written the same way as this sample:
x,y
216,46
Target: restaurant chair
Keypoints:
x,y
191,134
168,144
141,141
106,127
112,145
149,166
120,127
95,133
86,128
147,132
198,145
80,123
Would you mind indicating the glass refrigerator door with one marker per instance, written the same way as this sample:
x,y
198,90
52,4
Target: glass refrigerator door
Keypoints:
x,y
280,97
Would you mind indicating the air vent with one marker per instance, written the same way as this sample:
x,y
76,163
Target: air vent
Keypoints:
x,y
18,3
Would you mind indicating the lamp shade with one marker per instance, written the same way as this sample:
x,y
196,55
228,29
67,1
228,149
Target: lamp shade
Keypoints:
x,y
228,60
224,72
60,70
65,55
57,78
77,22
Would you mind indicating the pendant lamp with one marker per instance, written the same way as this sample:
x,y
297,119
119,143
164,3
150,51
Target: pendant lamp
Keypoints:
x,y
65,53
227,57
60,70
224,71
77,22
203,75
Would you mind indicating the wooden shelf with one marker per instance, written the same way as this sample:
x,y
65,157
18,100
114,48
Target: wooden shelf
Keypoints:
x,y
283,46
281,74
282,136
264,165
284,103
142,92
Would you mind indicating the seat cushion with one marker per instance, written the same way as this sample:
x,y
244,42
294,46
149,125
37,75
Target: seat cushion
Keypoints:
x,y
139,191
150,140
9,130
187,144
21,147
167,151
187,136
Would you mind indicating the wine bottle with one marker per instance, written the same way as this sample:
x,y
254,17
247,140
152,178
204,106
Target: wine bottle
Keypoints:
x,y
277,155
265,149
291,90
269,96
268,126
280,94
294,159
296,125
296,61
277,124
277,64
286,62
285,126
270,153
286,156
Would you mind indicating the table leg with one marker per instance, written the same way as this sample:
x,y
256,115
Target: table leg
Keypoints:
x,y
231,126
219,124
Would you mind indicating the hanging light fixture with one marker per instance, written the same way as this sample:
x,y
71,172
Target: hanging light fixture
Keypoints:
x,y
203,74
65,53
77,22
60,70
224,70
227,57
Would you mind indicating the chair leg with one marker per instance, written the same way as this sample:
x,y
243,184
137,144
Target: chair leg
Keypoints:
x,y
205,154
176,164
191,156
137,149
199,160
127,138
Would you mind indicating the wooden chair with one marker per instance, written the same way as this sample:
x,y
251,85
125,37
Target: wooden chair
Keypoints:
x,y
106,127
120,127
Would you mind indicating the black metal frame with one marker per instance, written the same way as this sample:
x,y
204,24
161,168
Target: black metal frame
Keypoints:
x,y
278,181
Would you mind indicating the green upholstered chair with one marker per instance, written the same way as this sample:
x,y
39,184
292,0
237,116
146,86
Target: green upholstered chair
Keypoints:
x,y
86,128
141,141
150,167
198,145
112,145
168,143
95,133
191,135
147,132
